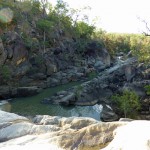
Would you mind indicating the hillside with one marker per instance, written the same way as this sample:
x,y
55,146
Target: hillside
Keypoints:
x,y
43,46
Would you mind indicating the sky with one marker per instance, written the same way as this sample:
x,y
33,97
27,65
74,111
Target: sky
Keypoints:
x,y
116,15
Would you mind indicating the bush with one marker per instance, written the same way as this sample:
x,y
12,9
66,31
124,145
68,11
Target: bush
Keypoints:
x,y
5,73
45,25
83,30
127,102
147,88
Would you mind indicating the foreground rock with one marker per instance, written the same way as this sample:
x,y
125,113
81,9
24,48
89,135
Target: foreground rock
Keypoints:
x,y
48,132
74,133
133,136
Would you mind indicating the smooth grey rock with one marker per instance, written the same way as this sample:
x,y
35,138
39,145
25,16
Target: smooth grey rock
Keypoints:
x,y
66,100
130,72
48,132
133,136
10,117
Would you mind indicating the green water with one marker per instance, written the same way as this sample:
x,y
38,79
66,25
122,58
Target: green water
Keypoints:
x,y
32,106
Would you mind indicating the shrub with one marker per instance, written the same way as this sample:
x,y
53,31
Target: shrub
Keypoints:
x,y
5,73
147,88
127,102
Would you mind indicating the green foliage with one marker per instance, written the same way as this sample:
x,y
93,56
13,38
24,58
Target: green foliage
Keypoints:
x,y
147,88
36,8
45,25
83,34
57,23
31,43
61,8
5,73
128,102
138,44
83,30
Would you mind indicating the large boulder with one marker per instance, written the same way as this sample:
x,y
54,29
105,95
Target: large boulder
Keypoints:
x,y
20,70
108,114
16,49
50,64
133,136
105,57
99,66
49,132
130,72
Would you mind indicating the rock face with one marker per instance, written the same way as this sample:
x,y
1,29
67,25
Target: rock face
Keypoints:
x,y
16,50
57,65
74,133
123,75
133,136
98,90
3,54
61,133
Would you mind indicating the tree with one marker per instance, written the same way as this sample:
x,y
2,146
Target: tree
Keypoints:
x,y
147,32
84,30
128,102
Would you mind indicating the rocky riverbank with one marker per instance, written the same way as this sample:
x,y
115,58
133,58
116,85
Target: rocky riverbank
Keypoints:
x,y
74,133
25,75
65,133
124,75
57,66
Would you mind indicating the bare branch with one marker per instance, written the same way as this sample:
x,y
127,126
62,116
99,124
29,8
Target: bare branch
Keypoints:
x,y
147,33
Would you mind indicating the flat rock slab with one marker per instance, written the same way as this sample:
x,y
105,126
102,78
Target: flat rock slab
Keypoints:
x,y
53,132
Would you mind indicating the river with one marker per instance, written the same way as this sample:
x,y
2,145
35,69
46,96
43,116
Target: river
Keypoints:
x,y
31,105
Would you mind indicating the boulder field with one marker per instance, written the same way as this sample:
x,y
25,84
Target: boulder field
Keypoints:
x,y
73,133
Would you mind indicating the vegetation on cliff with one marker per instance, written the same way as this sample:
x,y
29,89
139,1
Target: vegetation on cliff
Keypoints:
x,y
39,41
41,22
137,44
42,25
128,103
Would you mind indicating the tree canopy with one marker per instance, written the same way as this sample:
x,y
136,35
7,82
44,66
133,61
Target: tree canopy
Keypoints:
x,y
56,23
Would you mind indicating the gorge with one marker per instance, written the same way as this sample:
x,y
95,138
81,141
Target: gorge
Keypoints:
x,y
66,85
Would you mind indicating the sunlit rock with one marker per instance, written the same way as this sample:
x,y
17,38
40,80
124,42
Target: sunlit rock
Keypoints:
x,y
56,133
134,136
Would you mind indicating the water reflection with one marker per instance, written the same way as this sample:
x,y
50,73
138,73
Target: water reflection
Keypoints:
x,y
32,106
58,110
5,106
